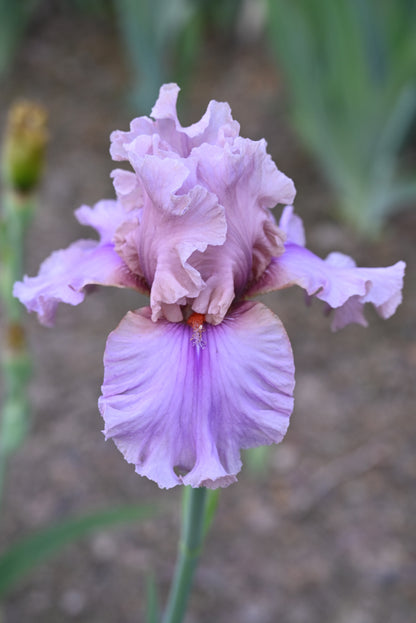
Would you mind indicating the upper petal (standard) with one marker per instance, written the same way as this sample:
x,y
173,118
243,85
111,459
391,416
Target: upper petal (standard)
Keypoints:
x,y
247,184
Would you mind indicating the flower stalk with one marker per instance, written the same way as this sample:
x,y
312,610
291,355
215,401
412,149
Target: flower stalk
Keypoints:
x,y
194,511
22,163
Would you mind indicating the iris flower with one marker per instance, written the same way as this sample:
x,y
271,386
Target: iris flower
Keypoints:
x,y
203,371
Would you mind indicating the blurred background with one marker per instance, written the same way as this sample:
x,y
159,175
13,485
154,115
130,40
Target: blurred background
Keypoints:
x,y
320,528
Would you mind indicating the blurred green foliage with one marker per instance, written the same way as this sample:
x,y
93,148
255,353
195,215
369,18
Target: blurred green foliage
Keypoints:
x,y
350,66
14,15
23,556
149,31
163,40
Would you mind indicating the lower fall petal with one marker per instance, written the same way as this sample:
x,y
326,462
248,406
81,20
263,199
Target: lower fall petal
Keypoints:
x,y
65,274
181,403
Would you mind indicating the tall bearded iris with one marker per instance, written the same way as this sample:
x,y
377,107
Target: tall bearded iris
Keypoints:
x,y
202,372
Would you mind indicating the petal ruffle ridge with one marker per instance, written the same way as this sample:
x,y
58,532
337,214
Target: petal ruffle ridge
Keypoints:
x,y
234,240
166,133
216,126
166,241
292,225
105,217
337,281
181,412
247,183
64,276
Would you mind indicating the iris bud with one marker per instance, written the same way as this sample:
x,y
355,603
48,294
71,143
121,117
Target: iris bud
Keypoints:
x,y
24,146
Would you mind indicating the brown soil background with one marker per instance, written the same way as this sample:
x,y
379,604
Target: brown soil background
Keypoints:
x,y
328,532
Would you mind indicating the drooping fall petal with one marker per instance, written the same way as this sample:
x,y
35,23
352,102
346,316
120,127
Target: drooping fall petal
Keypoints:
x,y
64,276
337,281
105,217
181,406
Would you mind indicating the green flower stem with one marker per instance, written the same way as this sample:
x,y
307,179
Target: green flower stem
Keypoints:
x,y
190,545
16,214
17,208
2,477
21,162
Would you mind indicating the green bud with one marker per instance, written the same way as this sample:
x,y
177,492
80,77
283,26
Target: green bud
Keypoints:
x,y
24,146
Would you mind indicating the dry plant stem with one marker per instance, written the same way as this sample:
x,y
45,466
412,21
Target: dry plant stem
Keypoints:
x,y
192,536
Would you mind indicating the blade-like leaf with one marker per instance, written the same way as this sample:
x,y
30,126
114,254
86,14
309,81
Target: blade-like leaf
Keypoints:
x,y
21,557
349,68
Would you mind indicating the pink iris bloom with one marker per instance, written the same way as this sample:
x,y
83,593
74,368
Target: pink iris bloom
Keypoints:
x,y
202,372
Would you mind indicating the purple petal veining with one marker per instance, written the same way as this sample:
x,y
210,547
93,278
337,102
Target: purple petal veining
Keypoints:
x,y
181,412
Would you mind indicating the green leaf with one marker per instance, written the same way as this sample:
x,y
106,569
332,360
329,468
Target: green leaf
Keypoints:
x,y
14,17
149,30
403,192
21,557
349,68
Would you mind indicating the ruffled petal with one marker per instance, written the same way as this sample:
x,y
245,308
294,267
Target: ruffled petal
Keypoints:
x,y
171,227
166,239
180,406
126,247
247,183
166,134
291,224
171,163
105,217
216,126
120,140
337,281
65,274
384,291
161,179
128,190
